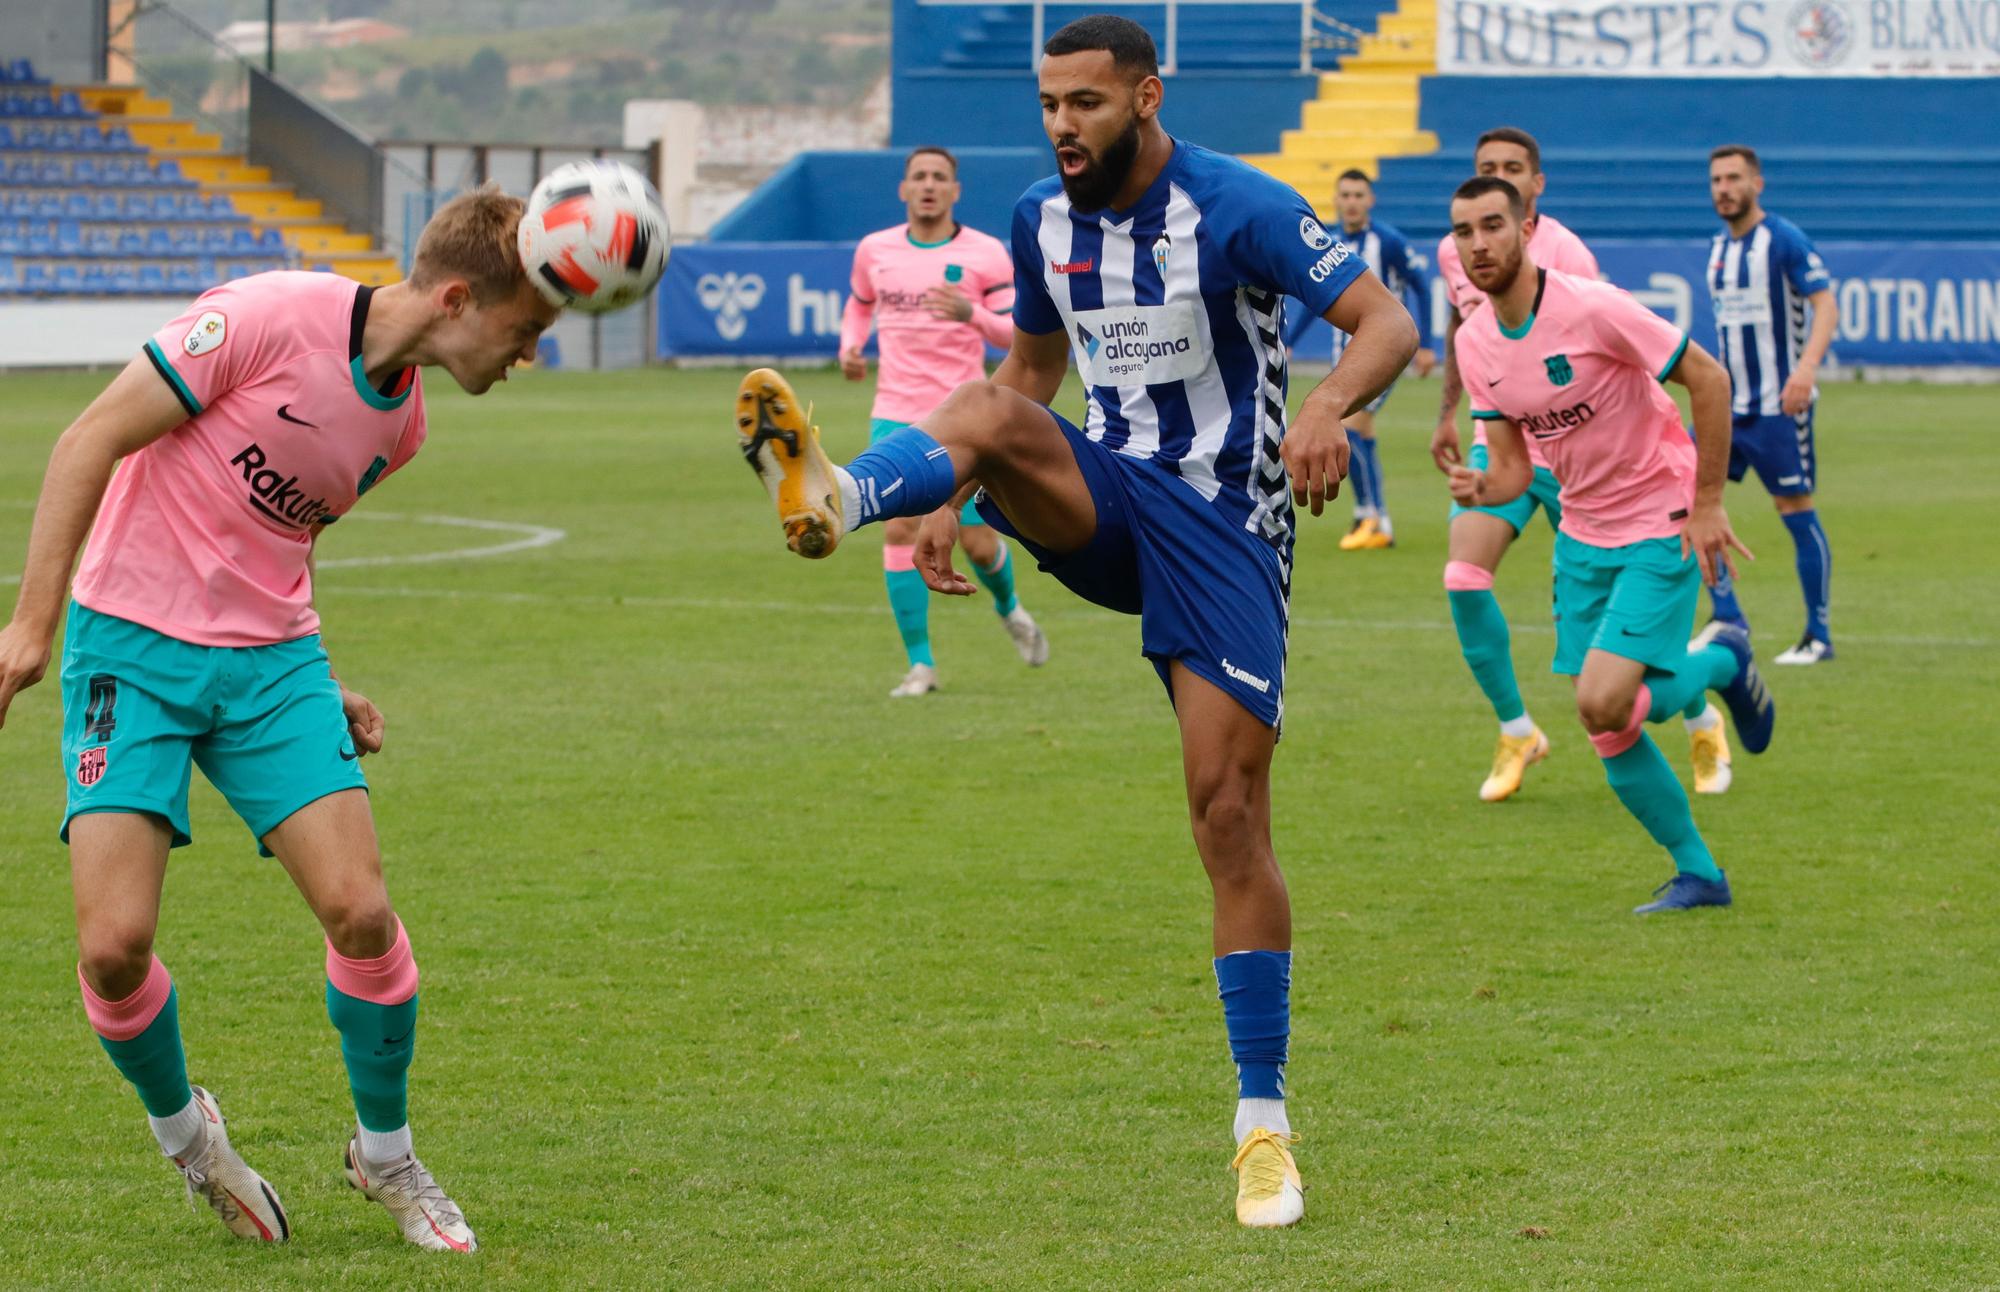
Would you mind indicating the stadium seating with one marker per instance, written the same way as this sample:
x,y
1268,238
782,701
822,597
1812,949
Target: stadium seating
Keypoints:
x,y
1242,36
103,193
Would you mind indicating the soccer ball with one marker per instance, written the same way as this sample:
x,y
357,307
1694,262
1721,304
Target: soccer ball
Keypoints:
x,y
594,236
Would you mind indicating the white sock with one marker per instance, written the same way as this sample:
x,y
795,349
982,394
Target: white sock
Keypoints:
x,y
1268,1113
1518,727
850,500
1382,523
385,1146
178,1131
1708,718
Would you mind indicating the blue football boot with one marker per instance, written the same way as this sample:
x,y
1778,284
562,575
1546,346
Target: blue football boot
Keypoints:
x,y
1747,698
1684,893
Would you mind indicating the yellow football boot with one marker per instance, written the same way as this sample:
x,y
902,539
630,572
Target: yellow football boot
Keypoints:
x,y
1364,533
1268,1192
1511,759
1709,752
782,447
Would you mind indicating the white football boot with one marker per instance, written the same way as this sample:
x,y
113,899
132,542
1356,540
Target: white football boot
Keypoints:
x,y
412,1198
920,680
213,1171
1029,639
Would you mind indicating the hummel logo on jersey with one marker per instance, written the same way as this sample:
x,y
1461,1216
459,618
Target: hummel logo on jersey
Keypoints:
x,y
1542,425
1259,684
278,495
1071,266
285,415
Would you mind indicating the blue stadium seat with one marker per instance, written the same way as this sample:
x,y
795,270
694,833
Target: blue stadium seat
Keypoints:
x,y
69,237
22,72
101,242
68,278
116,171
159,242
40,242
87,139
61,139
48,206
12,241
152,279
6,272
68,105
169,172
6,135
106,207
215,241
84,170
242,241
124,280
51,172
187,241
189,279
273,241
37,278
118,139
37,105
94,281
131,242
34,137
221,208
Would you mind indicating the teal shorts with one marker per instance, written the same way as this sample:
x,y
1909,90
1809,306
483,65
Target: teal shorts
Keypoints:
x,y
1542,492
880,426
140,709
1636,601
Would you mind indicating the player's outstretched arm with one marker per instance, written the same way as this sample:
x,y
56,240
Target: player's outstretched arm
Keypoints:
x,y
1383,339
134,410
1707,533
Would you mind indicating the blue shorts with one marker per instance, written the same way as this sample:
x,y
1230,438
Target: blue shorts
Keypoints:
x,y
1779,446
140,709
1208,592
881,426
1542,491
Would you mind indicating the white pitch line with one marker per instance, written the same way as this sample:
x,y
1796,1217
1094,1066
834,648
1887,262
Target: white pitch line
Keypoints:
x,y
1080,612
530,537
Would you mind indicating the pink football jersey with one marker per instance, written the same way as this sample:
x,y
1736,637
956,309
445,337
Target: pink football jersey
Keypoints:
x,y
1582,378
923,358
205,533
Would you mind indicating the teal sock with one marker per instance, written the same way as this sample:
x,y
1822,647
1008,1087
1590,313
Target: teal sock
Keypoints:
x,y
1483,637
1684,690
1648,788
377,1042
911,602
154,1062
999,581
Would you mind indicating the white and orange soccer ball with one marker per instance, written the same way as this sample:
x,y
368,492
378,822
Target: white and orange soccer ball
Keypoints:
x,y
594,236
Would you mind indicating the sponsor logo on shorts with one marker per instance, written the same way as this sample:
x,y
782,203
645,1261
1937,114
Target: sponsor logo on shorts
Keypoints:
x,y
90,766
278,495
1261,685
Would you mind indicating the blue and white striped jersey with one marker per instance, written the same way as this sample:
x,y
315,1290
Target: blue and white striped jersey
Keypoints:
x,y
1174,311
1759,284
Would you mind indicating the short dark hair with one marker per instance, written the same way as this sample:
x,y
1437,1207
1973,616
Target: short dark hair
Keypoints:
x,y
1129,45
1354,172
1481,185
931,148
1745,151
1512,135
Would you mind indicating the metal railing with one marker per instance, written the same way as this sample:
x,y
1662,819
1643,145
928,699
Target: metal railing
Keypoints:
x,y
1317,31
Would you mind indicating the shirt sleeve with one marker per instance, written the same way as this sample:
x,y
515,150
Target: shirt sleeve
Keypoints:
x,y
1804,270
1034,309
216,344
1577,257
993,308
858,316
1629,331
1281,246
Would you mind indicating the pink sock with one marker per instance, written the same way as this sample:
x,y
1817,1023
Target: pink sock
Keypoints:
x,y
1610,744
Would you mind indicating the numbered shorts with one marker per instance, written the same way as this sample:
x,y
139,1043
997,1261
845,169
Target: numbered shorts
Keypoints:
x,y
1636,601
1542,491
140,709
881,426
1779,447
1207,591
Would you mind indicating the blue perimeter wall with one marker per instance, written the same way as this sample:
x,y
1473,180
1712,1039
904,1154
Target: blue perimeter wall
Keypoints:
x,y
845,196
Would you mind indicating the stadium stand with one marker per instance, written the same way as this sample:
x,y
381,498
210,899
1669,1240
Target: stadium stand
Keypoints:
x,y
105,192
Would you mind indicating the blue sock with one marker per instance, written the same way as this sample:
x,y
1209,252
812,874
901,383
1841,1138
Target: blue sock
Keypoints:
x,y
999,581
1358,474
1648,788
905,473
911,602
1815,569
1722,597
1256,1008
1372,463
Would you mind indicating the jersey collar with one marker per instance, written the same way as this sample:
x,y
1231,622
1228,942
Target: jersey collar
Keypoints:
x,y
1516,334
911,238
397,387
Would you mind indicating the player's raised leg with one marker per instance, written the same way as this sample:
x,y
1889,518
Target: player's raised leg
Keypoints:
x,y
118,861
329,849
1003,439
1226,756
1478,540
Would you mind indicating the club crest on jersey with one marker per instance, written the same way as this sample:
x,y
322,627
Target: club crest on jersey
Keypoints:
x,y
1559,369
1163,246
954,273
371,475
206,335
90,766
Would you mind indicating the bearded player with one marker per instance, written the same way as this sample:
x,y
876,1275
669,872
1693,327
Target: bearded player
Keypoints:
x,y
937,293
243,429
1577,365
1162,269
1480,536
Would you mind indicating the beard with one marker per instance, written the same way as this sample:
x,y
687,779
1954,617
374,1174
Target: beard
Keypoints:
x,y
1730,207
1093,187
1509,269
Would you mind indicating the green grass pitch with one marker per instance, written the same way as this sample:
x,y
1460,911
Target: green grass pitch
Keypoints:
x,y
739,975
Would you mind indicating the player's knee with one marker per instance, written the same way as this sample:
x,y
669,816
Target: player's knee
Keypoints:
x,y
1603,711
115,957
1224,814
360,924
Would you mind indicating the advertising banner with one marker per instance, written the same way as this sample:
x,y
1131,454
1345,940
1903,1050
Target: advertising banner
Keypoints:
x,y
1719,38
1930,305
